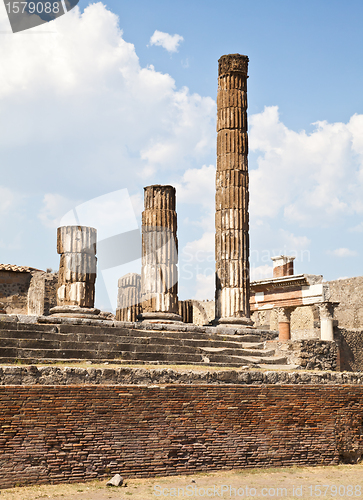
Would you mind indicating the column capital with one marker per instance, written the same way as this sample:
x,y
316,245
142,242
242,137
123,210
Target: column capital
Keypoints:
x,y
233,63
284,313
326,309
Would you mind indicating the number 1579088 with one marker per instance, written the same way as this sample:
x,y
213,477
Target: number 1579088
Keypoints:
x,y
32,7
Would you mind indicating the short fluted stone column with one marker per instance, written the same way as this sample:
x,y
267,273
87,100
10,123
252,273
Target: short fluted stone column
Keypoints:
x,y
129,297
77,271
186,310
159,276
326,310
232,219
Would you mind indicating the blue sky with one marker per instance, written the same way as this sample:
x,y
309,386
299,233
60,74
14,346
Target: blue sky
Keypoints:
x,y
92,103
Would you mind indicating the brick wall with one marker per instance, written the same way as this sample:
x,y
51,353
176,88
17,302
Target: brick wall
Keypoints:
x,y
70,433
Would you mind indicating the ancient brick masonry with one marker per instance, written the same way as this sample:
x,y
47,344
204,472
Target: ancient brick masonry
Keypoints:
x,y
77,269
79,432
159,276
232,225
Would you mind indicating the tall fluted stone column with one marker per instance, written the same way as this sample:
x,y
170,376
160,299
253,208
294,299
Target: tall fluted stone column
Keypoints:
x,y
77,271
232,221
129,297
159,276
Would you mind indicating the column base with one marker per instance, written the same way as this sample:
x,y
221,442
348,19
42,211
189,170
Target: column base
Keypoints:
x,y
235,322
161,317
74,312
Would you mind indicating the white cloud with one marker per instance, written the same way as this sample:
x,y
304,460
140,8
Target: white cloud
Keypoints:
x,y
356,229
77,105
204,287
198,186
311,179
201,250
53,209
261,272
168,42
343,252
8,199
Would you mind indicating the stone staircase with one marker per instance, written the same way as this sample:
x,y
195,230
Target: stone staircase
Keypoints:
x,y
133,343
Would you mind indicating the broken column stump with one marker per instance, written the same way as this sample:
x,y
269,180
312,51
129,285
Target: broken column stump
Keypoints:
x,y
129,298
232,196
186,310
77,271
159,276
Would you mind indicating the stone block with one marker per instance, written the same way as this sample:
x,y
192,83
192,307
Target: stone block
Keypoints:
x,y
74,267
234,81
231,118
232,219
230,197
233,162
159,220
232,245
158,197
232,141
159,247
76,239
159,278
76,294
228,178
232,273
232,98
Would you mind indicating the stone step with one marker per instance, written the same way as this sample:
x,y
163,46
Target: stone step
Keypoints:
x,y
137,345
112,334
12,338
45,361
239,352
275,360
160,357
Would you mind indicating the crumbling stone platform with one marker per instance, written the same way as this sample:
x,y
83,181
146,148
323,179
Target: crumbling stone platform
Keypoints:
x,y
48,339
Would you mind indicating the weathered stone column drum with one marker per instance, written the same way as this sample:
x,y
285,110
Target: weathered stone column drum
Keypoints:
x,y
129,297
77,269
159,276
232,220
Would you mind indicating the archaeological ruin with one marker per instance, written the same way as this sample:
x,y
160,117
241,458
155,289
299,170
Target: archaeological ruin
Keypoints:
x,y
268,374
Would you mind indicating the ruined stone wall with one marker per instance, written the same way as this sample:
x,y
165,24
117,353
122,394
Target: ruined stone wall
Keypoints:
x,y
350,342
349,294
310,354
79,432
42,293
203,312
14,291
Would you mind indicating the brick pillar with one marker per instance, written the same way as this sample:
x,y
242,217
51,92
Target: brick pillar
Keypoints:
x,y
129,297
77,271
159,276
283,265
284,314
232,219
